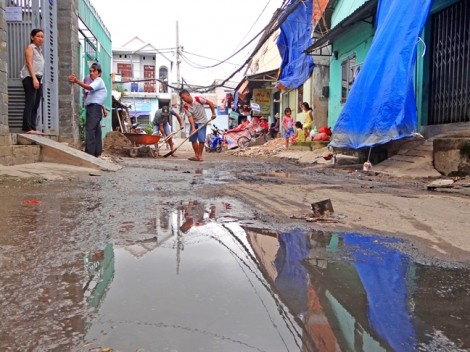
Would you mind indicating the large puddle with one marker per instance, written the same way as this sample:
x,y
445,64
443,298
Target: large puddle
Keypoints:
x,y
203,281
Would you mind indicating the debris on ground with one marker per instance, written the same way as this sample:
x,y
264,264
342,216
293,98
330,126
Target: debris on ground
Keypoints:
x,y
115,143
443,183
271,147
322,211
322,208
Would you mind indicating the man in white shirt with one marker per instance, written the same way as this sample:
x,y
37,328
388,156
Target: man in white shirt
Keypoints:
x,y
94,102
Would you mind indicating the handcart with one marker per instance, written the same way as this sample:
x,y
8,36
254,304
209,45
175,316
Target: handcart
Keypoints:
x,y
140,144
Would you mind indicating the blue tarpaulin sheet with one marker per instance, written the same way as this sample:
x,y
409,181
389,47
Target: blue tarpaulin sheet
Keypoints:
x,y
381,106
295,37
383,272
292,277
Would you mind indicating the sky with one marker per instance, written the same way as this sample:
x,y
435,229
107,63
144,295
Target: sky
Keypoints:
x,y
210,28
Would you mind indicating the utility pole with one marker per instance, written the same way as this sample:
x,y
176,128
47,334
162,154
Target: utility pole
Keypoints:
x,y
178,53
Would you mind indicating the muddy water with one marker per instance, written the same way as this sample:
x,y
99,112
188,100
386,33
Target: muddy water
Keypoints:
x,y
133,262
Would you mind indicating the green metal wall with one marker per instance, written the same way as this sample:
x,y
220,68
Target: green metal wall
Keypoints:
x,y
357,41
89,16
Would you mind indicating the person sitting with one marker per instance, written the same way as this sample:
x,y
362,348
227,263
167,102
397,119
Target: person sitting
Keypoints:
x,y
240,127
274,129
299,134
264,124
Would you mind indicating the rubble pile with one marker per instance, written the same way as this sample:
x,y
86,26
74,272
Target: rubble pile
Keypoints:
x,y
272,147
115,142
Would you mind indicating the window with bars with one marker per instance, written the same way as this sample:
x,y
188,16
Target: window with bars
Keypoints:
x,y
348,74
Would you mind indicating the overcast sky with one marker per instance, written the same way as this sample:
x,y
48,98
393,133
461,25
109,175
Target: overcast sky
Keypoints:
x,y
211,28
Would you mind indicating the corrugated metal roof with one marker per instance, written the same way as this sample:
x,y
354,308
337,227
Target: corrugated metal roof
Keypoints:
x,y
365,11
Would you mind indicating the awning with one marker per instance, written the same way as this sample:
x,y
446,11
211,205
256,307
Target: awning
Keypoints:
x,y
139,113
257,80
364,12
267,76
243,89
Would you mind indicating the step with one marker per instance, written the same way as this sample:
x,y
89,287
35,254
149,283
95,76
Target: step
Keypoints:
x,y
55,152
19,154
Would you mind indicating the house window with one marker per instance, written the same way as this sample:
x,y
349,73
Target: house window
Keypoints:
x,y
149,74
125,70
348,75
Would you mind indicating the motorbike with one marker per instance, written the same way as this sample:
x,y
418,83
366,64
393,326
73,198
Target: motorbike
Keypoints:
x,y
214,141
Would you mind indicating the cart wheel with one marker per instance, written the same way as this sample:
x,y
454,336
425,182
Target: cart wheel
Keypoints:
x,y
243,142
133,152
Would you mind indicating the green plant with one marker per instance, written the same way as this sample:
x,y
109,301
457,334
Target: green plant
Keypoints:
x,y
81,124
148,129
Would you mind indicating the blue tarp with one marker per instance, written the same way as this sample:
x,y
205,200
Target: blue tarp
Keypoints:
x,y
292,277
381,106
383,273
295,37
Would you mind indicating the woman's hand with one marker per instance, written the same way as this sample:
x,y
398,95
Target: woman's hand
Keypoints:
x,y
36,83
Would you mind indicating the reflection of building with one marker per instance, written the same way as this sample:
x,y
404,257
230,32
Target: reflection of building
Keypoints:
x,y
358,303
100,268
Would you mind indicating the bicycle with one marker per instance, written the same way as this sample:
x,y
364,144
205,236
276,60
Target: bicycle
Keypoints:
x,y
244,141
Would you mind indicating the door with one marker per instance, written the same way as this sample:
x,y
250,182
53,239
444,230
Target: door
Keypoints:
x,y
450,65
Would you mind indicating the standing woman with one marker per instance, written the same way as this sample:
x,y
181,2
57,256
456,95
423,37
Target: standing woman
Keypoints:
x,y
32,73
308,118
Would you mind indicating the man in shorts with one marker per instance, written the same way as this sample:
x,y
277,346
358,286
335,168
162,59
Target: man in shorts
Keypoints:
x,y
161,123
196,112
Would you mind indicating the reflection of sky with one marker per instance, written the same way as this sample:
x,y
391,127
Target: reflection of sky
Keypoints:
x,y
383,272
219,300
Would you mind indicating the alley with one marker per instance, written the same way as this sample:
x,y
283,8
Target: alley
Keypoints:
x,y
168,255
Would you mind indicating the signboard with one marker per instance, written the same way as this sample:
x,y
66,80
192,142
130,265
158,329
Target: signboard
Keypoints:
x,y
255,107
233,115
13,14
262,98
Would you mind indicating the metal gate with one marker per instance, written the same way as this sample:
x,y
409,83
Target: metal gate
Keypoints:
x,y
450,65
33,14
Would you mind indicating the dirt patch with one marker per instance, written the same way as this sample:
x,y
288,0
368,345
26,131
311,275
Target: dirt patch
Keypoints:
x,y
115,142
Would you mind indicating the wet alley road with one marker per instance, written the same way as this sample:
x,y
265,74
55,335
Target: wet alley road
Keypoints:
x,y
168,255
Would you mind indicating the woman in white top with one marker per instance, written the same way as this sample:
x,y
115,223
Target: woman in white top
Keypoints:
x,y
32,73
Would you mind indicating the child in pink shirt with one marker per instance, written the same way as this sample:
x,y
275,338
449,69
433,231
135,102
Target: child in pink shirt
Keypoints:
x,y
288,125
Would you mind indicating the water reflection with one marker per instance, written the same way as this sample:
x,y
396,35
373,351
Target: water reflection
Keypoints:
x,y
359,293
199,279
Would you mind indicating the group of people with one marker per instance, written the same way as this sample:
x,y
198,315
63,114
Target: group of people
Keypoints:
x,y
94,98
96,94
295,131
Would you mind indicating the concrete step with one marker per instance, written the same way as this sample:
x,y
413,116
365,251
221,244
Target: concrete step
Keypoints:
x,y
19,154
24,141
55,152
414,159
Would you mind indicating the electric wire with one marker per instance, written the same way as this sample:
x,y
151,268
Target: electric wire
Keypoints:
x,y
277,20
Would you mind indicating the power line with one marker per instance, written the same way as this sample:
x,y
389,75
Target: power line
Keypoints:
x,y
272,26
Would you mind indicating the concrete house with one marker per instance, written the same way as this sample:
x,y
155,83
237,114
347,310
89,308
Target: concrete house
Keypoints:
x,y
441,71
143,74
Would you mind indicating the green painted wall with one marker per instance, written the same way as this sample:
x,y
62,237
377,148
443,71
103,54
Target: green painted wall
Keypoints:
x,y
343,9
90,18
357,41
